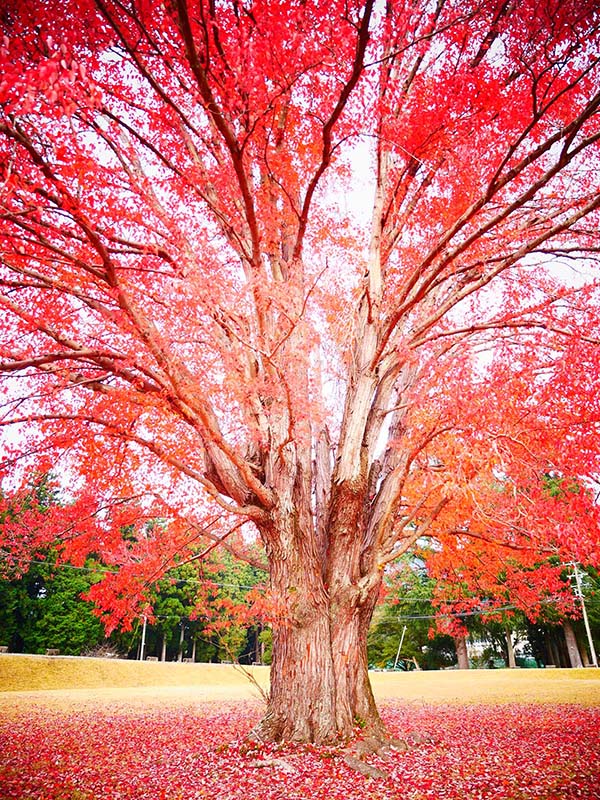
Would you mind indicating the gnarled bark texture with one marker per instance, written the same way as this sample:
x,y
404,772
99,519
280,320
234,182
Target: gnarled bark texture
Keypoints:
x,y
320,689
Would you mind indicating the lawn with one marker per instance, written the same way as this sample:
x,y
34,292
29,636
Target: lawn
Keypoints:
x,y
109,730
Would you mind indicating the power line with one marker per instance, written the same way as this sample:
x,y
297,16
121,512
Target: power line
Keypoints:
x,y
459,614
229,585
107,571
476,613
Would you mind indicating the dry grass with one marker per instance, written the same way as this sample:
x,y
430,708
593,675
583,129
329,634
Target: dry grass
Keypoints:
x,y
30,673
59,682
70,683
579,686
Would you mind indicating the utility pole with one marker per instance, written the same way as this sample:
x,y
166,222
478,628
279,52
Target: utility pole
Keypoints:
x,y
143,639
181,635
399,647
579,595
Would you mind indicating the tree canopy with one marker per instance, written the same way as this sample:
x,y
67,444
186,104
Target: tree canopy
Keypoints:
x,y
324,272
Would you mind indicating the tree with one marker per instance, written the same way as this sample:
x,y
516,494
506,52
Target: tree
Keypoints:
x,y
42,600
405,617
202,315
232,608
560,638
171,608
44,609
214,601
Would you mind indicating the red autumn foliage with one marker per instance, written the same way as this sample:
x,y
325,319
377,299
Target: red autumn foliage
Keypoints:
x,y
202,321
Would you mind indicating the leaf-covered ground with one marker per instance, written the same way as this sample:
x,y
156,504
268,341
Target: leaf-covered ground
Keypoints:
x,y
471,753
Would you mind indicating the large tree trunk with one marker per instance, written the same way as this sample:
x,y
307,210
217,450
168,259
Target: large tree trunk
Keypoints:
x,y
571,642
302,697
511,662
461,652
320,688
350,623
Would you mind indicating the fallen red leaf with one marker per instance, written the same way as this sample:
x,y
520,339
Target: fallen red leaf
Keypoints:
x,y
500,753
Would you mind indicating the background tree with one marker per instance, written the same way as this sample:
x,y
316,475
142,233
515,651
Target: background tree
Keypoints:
x,y
216,603
44,608
233,612
407,616
171,609
502,634
197,320
42,599
547,634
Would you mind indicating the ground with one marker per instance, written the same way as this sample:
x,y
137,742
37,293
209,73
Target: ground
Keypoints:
x,y
110,730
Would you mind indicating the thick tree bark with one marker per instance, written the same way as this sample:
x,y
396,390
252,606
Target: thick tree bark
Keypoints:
x,y
512,662
461,652
302,698
354,696
572,648
320,688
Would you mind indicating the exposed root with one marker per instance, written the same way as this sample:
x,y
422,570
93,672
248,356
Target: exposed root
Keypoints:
x,y
361,766
354,755
379,746
277,763
418,738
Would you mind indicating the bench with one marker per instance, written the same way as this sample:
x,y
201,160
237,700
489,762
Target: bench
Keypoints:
x,y
151,658
52,651
3,648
